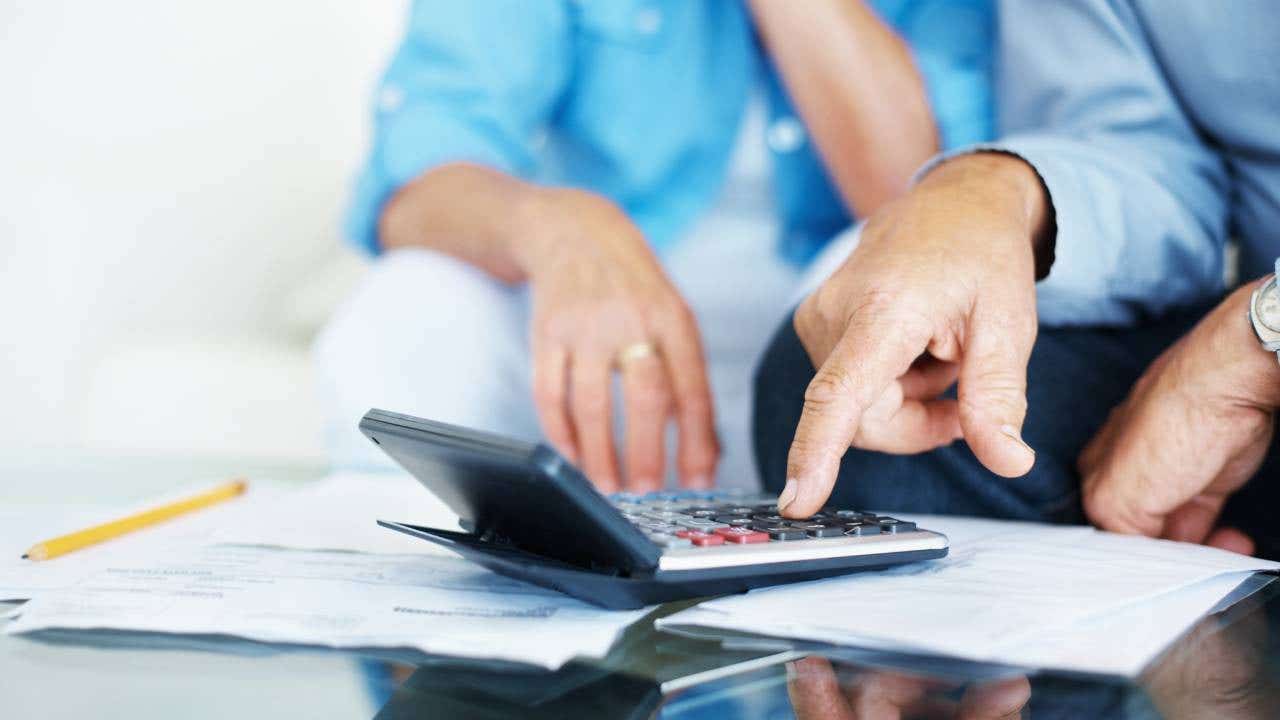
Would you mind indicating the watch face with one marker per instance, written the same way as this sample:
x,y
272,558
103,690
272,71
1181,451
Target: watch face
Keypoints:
x,y
1267,309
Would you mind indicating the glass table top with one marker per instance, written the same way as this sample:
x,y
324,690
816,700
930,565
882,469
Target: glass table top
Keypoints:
x,y
1227,666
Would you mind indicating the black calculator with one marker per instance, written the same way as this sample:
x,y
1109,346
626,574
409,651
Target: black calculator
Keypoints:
x,y
528,513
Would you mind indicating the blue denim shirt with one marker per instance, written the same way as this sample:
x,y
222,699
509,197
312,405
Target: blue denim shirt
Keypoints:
x,y
638,100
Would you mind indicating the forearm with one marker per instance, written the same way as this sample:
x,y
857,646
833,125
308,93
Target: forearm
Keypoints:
x,y
856,87
469,211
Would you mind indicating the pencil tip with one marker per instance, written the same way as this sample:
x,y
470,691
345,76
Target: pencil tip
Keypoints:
x,y
24,556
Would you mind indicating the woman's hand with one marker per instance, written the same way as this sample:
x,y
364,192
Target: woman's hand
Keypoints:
x,y
602,303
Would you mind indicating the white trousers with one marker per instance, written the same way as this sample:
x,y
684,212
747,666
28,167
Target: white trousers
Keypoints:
x,y
432,336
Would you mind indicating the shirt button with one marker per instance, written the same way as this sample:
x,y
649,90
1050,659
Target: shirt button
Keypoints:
x,y
390,99
648,20
785,135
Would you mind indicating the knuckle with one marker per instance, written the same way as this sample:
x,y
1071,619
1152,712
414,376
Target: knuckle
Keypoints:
x,y
828,388
995,390
696,406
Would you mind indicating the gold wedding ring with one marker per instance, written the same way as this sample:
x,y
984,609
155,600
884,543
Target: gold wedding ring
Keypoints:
x,y
634,351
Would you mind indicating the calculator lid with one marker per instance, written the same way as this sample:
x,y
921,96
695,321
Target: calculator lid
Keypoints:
x,y
511,491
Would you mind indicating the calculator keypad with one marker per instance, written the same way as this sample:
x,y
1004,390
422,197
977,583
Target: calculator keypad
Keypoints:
x,y
707,519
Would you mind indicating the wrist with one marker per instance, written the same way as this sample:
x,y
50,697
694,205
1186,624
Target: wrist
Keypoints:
x,y
536,228
1007,184
1255,374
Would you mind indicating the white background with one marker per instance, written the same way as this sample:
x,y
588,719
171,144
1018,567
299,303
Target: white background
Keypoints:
x,y
172,175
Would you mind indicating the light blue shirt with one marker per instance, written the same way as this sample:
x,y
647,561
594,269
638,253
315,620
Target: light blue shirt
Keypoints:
x,y
638,100
1155,125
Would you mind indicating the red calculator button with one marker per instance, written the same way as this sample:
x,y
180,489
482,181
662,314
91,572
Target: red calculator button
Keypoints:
x,y
699,538
742,535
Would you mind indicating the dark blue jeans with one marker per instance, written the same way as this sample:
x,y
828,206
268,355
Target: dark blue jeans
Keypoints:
x,y
1074,379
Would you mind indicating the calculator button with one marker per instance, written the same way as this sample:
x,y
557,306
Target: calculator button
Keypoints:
x,y
700,539
742,535
669,541
739,522
701,512
769,517
895,525
786,533
861,528
763,525
700,524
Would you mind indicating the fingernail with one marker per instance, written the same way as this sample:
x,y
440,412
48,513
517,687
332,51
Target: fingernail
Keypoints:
x,y
788,495
700,481
1012,432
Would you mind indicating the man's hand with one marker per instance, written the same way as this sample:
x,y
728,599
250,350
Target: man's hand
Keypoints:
x,y
1194,429
819,690
940,287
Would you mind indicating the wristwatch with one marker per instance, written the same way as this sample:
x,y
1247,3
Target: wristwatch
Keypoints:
x,y
1264,313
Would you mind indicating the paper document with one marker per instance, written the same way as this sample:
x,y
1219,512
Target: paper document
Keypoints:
x,y
348,600
1013,593
340,512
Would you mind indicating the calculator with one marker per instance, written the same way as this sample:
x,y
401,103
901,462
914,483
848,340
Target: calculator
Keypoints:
x,y
528,513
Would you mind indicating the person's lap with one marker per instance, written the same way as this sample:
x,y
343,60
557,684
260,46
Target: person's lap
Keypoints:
x,y
1074,378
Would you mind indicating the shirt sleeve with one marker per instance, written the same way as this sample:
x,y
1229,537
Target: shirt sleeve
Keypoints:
x,y
1140,201
471,81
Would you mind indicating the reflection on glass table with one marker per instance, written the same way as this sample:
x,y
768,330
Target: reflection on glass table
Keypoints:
x,y
1228,666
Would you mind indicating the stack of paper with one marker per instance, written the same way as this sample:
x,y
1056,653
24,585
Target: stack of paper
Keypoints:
x,y
350,600
1019,594
231,571
312,567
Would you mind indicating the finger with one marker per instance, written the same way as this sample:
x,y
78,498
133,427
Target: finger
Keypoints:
x,y
993,389
1231,539
889,696
648,405
1116,504
928,378
872,353
550,397
996,700
1193,520
699,450
593,418
815,692
914,428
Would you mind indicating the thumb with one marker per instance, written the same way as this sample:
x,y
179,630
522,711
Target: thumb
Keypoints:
x,y
993,389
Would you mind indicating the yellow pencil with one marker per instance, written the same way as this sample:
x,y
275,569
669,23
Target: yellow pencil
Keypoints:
x,y
50,549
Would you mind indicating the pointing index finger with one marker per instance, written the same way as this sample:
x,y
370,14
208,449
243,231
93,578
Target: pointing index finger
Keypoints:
x,y
873,352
